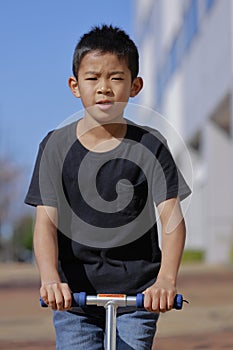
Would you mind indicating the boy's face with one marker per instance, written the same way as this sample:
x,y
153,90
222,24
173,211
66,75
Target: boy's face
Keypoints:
x,y
104,85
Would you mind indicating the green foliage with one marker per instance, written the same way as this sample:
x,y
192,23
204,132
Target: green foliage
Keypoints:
x,y
193,255
23,233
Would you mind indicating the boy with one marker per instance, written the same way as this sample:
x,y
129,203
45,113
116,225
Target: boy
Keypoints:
x,y
94,185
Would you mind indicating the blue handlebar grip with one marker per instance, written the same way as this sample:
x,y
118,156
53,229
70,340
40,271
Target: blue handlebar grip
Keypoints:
x,y
42,303
79,299
140,300
178,302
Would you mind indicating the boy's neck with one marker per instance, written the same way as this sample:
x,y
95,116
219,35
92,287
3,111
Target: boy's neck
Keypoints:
x,y
101,137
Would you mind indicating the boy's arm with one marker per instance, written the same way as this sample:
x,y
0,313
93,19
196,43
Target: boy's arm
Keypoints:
x,y
54,293
160,296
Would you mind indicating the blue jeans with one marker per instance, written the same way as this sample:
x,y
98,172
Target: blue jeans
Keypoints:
x,y
135,330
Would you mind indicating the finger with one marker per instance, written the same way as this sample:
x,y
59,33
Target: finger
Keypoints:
x,y
44,295
147,301
51,299
156,302
170,300
163,301
58,298
67,297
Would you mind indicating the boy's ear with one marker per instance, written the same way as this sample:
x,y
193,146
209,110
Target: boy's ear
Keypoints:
x,y
136,87
73,85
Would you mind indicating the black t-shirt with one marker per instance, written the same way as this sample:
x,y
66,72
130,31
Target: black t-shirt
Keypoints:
x,y
107,232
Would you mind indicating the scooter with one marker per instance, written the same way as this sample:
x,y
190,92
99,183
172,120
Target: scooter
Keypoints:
x,y
111,302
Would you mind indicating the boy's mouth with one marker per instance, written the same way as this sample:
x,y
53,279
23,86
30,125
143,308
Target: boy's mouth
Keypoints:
x,y
104,104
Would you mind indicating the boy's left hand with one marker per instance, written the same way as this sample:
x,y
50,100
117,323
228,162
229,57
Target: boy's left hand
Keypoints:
x,y
160,296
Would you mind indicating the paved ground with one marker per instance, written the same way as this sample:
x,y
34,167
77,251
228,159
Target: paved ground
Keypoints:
x,y
206,323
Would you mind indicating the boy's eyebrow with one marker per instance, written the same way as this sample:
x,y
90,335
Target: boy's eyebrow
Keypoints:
x,y
117,72
91,72
111,73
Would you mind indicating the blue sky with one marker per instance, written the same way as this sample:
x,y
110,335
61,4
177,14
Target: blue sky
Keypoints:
x,y
37,43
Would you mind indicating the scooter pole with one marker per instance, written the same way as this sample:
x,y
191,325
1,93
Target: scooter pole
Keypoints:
x,y
110,326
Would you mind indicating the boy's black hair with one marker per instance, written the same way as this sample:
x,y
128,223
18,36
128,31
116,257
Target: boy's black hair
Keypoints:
x,y
107,39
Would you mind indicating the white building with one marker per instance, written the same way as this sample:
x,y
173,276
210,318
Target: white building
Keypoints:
x,y
186,49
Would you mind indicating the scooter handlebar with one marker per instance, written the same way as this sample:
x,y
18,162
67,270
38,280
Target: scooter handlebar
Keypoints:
x,y
81,299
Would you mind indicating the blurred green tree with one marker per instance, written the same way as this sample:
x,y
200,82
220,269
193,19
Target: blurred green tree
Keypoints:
x,y
23,238
9,175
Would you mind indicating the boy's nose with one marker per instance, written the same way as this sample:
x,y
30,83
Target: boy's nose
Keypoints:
x,y
104,89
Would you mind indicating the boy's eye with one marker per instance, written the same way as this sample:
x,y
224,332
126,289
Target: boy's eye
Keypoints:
x,y
91,78
117,78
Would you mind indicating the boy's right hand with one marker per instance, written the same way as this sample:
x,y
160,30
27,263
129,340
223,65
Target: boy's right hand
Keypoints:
x,y
57,295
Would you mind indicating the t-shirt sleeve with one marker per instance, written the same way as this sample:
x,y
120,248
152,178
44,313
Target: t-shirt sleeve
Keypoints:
x,y
168,181
41,189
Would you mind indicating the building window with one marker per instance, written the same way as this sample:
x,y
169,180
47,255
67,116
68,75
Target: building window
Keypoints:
x,y
180,46
208,4
190,23
160,89
173,57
